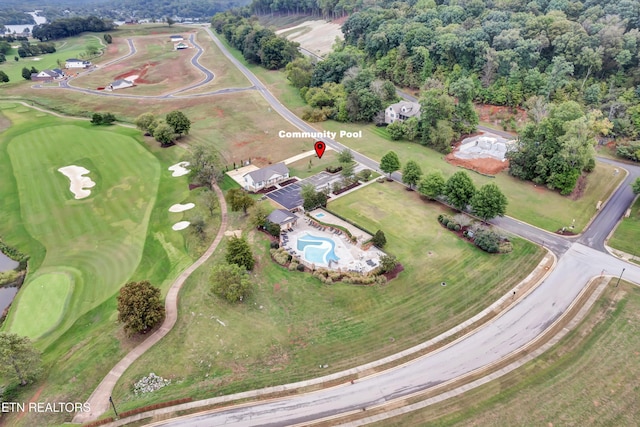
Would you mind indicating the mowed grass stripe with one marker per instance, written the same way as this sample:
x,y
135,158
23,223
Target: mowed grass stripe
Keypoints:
x,y
53,289
102,236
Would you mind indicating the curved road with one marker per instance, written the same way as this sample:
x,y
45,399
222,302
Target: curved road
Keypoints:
x,y
579,260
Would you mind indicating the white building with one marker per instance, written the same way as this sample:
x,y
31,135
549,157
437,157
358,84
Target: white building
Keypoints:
x,y
77,63
265,177
401,111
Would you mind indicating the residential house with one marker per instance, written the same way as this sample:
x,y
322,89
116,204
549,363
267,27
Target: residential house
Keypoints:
x,y
77,63
47,75
283,218
176,38
401,111
261,178
180,46
119,84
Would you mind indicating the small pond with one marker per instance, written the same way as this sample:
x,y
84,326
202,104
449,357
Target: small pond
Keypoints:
x,y
6,296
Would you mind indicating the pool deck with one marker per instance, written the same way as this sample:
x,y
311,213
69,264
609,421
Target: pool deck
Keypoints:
x,y
329,218
351,257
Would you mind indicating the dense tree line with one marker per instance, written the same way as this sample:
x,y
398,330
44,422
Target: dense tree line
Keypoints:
x,y
67,27
587,52
27,49
13,16
258,45
324,8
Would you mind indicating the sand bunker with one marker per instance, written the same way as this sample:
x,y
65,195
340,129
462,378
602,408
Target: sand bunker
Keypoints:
x,y
179,169
181,208
180,225
79,183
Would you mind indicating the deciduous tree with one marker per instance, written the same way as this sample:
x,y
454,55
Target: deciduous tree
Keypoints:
x,y
239,252
230,281
204,163
140,307
238,199
489,202
432,185
390,163
411,173
636,186
144,120
179,122
459,190
163,133
18,357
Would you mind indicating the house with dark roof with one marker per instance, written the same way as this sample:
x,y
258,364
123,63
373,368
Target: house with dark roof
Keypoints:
x,y
283,218
401,111
180,46
47,75
261,178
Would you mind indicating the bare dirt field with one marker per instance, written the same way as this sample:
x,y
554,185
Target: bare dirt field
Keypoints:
x,y
315,36
487,165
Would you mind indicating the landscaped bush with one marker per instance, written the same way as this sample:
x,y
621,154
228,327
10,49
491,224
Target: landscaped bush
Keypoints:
x,y
487,240
463,220
445,221
456,227
300,267
333,169
274,245
280,256
273,229
293,265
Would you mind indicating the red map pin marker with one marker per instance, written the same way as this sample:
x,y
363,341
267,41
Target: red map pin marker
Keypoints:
x,y
320,147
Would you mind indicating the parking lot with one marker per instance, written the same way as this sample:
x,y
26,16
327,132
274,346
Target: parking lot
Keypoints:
x,y
289,196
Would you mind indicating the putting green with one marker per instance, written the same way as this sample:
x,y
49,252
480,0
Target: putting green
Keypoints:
x,y
49,293
100,238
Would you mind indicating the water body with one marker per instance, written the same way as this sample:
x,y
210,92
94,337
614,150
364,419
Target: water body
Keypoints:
x,y
7,263
20,28
6,296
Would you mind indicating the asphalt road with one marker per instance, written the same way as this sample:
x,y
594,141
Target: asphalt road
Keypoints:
x,y
510,331
507,333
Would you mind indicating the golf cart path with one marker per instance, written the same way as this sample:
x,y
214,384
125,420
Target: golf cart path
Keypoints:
x,y
99,399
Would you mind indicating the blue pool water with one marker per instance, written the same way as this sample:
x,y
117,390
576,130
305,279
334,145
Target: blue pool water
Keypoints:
x,y
316,249
319,215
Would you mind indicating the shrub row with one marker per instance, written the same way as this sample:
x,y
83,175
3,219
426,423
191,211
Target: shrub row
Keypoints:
x,y
329,277
281,256
484,238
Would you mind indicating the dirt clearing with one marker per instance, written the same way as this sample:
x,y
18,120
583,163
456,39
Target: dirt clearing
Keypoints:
x,y
315,36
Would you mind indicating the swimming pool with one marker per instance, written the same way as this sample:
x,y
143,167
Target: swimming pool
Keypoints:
x,y
317,250
319,215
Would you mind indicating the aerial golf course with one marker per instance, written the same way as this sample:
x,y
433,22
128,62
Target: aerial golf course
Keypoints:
x,y
83,249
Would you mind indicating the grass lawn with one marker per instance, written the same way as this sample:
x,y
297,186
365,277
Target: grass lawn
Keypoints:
x,y
292,323
590,378
72,47
303,169
121,232
627,235
527,202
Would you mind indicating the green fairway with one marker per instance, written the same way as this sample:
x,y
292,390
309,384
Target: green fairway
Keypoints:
x,y
44,302
292,323
627,235
102,236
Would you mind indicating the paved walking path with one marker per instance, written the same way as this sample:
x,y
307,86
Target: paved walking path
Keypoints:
x,y
99,399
